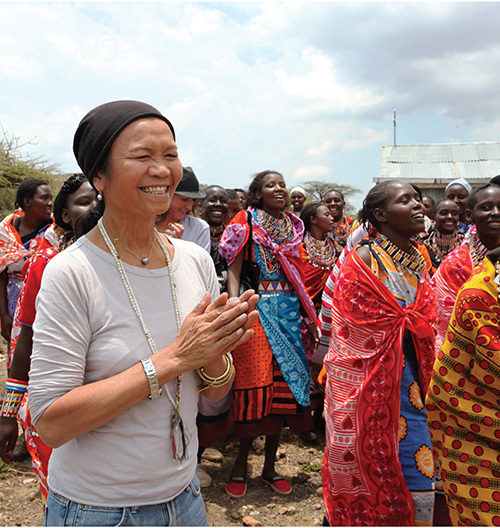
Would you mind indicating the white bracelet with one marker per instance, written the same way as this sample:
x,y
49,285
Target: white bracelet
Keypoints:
x,y
150,371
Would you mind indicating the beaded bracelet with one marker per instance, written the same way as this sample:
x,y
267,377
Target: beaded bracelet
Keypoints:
x,y
209,381
231,299
14,393
307,321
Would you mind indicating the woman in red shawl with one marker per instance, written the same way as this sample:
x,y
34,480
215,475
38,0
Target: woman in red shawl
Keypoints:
x,y
378,468
317,249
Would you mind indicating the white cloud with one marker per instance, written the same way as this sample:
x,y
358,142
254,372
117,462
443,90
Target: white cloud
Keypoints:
x,y
312,172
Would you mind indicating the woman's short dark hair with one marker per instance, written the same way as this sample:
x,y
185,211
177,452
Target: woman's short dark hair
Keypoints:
x,y
334,190
27,189
309,211
256,186
377,197
71,185
472,200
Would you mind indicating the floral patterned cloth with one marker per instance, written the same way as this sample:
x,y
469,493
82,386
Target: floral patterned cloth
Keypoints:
x,y
365,465
463,402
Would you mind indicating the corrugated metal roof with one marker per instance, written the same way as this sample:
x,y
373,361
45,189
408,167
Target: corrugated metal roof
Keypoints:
x,y
440,161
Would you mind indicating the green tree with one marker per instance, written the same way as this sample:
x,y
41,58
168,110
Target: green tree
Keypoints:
x,y
16,166
317,189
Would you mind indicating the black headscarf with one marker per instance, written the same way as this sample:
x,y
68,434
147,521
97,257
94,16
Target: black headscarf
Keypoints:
x,y
100,127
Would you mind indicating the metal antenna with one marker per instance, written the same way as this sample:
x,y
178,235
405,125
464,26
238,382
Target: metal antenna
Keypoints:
x,y
394,127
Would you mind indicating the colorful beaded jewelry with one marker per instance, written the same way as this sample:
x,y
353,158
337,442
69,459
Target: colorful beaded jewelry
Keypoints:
x,y
320,253
477,249
441,244
341,230
14,394
412,260
280,231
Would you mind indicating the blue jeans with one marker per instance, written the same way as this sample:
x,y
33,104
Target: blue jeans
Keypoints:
x,y
187,509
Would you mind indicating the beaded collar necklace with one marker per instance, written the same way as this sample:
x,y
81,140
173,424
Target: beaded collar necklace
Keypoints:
x,y
179,441
320,253
477,249
280,230
412,259
441,244
341,230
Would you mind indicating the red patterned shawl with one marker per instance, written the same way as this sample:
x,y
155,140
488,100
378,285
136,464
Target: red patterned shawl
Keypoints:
x,y
455,270
362,479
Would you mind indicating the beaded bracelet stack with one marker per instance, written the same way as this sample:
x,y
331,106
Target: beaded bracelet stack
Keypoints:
x,y
208,381
14,393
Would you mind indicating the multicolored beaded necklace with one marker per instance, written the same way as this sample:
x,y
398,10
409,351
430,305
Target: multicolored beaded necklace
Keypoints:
x,y
412,259
441,244
341,230
320,253
476,248
280,231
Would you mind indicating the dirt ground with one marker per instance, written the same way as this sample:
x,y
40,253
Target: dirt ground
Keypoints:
x,y
20,502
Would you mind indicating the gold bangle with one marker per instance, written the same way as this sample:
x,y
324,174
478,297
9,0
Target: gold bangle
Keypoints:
x,y
219,381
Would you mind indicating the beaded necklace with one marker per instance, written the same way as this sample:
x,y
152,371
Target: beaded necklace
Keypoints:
x,y
441,244
320,253
179,441
412,260
476,248
341,230
280,231
215,234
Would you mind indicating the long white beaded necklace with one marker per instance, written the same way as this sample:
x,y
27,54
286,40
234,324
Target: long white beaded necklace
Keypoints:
x,y
177,426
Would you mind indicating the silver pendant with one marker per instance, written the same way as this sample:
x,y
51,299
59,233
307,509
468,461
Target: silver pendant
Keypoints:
x,y
145,260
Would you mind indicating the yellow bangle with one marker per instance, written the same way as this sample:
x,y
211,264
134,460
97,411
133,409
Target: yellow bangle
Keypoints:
x,y
219,381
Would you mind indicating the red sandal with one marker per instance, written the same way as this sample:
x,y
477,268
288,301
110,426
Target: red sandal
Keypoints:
x,y
236,487
278,484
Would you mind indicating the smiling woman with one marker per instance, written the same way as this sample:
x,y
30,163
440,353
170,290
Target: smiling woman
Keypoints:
x,y
379,365
272,370
126,337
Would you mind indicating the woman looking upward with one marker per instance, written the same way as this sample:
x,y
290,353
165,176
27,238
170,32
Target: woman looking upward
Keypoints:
x,y
271,370
378,467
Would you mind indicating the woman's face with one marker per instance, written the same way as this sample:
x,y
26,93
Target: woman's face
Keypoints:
x,y
297,199
78,203
486,213
180,207
40,205
215,206
242,198
403,213
323,219
273,192
334,201
144,170
459,195
447,217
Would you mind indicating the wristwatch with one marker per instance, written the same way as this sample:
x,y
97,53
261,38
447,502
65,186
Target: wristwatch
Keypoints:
x,y
150,371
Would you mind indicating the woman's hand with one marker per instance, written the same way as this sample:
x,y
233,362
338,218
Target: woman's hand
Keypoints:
x,y
8,438
313,332
209,331
6,321
175,230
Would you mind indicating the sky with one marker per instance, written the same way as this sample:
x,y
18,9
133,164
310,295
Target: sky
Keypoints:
x,y
304,88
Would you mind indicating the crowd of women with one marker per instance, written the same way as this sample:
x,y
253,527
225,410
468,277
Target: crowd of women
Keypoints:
x,y
170,315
